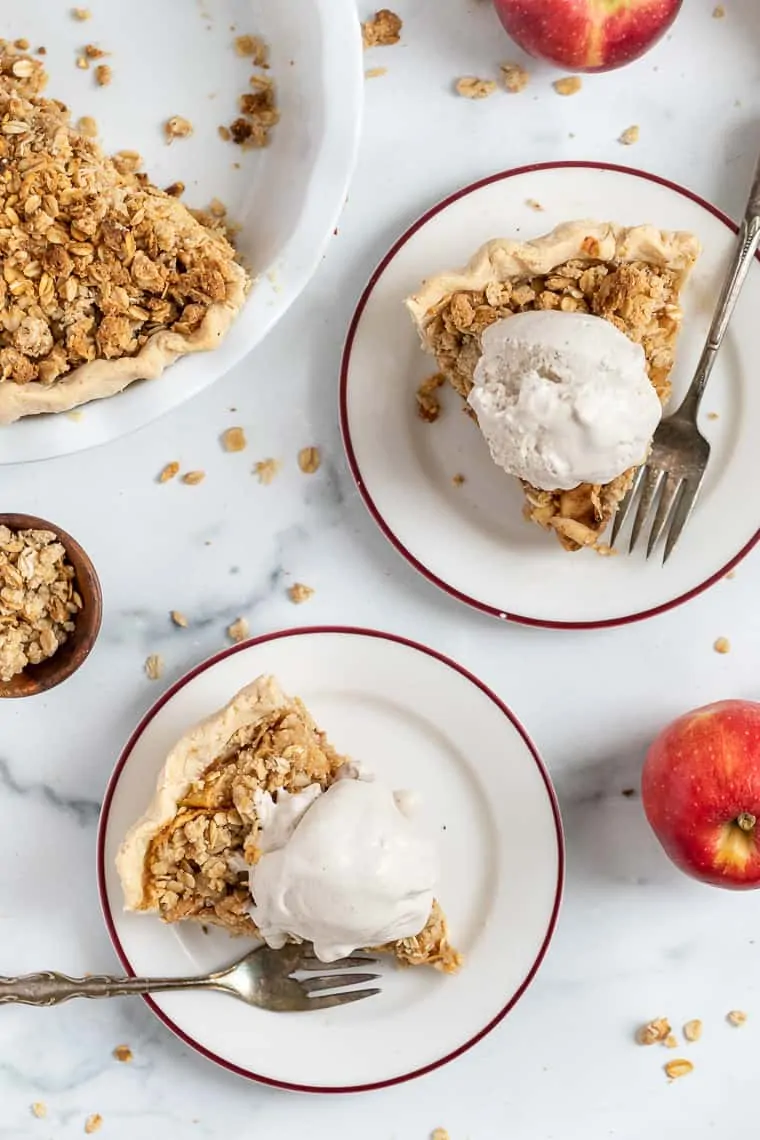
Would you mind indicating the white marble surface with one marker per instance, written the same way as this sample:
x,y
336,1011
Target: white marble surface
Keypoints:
x,y
635,939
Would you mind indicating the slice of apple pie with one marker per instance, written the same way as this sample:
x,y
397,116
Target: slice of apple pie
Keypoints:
x,y
189,855
631,277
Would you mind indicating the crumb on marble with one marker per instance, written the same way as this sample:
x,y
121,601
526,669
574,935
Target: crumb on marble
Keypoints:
x,y
81,14
103,77
678,1068
439,1134
253,47
233,439
178,618
428,404
713,416
570,85
299,593
718,12
193,478
382,30
630,135
731,574
472,87
515,77
736,1017
123,1053
534,205
177,127
722,645
671,1041
692,1030
154,666
93,1123
265,470
39,1110
238,631
168,471
654,1031
309,460
375,72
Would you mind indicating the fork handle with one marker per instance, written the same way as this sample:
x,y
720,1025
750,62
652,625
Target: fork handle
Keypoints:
x,y
746,248
50,988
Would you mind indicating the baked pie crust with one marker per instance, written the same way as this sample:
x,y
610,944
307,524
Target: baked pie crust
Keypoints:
x,y
630,276
106,279
183,858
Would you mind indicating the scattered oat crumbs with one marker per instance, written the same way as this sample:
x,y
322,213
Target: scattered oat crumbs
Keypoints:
x,y
233,439
630,136
722,645
177,127
238,631
718,12
692,1030
22,44
123,1053
731,574
533,204
178,618
428,404
103,76
382,30
515,77
671,1041
736,1017
570,85
81,14
224,133
168,472
175,189
154,666
193,478
75,415
375,72
470,87
458,480
678,1068
87,127
265,470
92,51
255,48
127,161
299,593
309,460
439,1134
82,62
93,1123
713,416
39,1110
653,1031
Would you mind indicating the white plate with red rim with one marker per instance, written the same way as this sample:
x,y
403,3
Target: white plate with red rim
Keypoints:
x,y
419,722
286,198
471,540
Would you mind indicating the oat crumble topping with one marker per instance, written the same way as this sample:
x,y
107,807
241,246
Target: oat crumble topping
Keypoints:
x,y
265,470
571,85
38,598
299,593
154,666
168,472
193,478
678,1068
177,127
428,404
309,460
238,631
515,77
692,1030
630,136
233,439
123,1053
382,30
470,87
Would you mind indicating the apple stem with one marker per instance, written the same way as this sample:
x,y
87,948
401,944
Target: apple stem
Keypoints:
x,y
746,820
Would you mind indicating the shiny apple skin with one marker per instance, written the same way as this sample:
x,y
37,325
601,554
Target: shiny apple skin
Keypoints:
x,y
699,775
586,35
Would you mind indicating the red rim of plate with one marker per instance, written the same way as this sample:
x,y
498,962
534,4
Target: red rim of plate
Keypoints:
x,y
353,463
351,631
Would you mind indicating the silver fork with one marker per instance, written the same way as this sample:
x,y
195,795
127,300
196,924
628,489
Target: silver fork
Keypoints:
x,y
263,978
676,466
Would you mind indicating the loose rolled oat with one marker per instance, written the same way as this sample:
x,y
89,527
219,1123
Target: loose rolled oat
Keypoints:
x,y
93,1123
177,127
678,1068
39,600
168,472
736,1017
653,1031
123,1053
39,1110
299,593
571,85
692,1030
471,87
515,77
309,460
630,136
193,478
178,618
265,470
154,666
233,439
238,631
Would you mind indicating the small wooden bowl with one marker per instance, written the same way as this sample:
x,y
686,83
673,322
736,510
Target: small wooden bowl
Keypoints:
x,y
67,659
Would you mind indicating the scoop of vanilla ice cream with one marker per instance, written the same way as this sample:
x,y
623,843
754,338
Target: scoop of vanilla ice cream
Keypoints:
x,y
563,398
344,869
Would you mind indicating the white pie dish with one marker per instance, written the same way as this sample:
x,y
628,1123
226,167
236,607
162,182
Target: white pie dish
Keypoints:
x,y
286,198
408,713
513,570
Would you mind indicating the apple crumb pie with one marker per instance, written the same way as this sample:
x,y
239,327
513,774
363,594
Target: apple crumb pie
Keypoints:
x,y
631,277
106,279
187,857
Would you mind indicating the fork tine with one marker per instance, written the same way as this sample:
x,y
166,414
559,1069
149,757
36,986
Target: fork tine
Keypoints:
x,y
335,981
651,481
625,505
310,962
341,999
682,514
668,496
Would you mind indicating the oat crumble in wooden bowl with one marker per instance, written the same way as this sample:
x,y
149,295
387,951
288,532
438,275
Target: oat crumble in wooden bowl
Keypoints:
x,y
50,605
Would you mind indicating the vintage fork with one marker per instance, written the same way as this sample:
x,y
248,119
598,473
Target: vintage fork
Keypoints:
x,y
679,455
262,978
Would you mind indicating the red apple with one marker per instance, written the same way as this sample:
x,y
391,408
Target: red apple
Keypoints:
x,y
701,793
587,35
